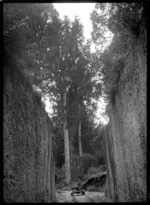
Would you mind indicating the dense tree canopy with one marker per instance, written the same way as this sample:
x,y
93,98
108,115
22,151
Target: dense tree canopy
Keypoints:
x,y
124,21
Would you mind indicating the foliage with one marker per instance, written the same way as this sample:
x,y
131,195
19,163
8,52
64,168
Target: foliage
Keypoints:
x,y
67,68
84,88
117,18
86,133
50,51
124,21
59,177
63,63
24,26
76,171
80,165
98,145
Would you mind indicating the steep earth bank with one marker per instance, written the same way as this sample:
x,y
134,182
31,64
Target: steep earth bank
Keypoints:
x,y
28,145
126,132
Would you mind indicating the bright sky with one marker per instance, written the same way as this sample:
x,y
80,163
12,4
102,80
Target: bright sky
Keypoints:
x,y
83,11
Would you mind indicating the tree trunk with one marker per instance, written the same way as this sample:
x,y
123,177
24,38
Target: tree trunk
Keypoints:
x,y
66,145
79,139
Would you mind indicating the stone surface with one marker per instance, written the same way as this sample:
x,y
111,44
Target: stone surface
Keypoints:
x,y
126,132
28,144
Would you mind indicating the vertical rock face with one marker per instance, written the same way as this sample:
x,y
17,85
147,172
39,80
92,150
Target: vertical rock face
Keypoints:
x,y
126,132
28,145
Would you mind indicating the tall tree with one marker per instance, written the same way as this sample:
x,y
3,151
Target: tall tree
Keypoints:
x,y
83,90
64,61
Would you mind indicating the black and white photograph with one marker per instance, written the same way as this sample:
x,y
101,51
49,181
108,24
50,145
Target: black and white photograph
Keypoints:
x,y
74,102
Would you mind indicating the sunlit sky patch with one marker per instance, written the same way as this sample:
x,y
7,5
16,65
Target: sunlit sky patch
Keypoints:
x,y
82,10
101,117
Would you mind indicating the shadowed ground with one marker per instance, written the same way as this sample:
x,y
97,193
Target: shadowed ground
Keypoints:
x,y
94,197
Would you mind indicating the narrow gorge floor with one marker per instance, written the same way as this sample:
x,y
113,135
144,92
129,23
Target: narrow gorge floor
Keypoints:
x,y
94,197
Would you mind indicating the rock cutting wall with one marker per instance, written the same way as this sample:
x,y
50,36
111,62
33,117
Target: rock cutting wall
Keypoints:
x,y
126,132
28,145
